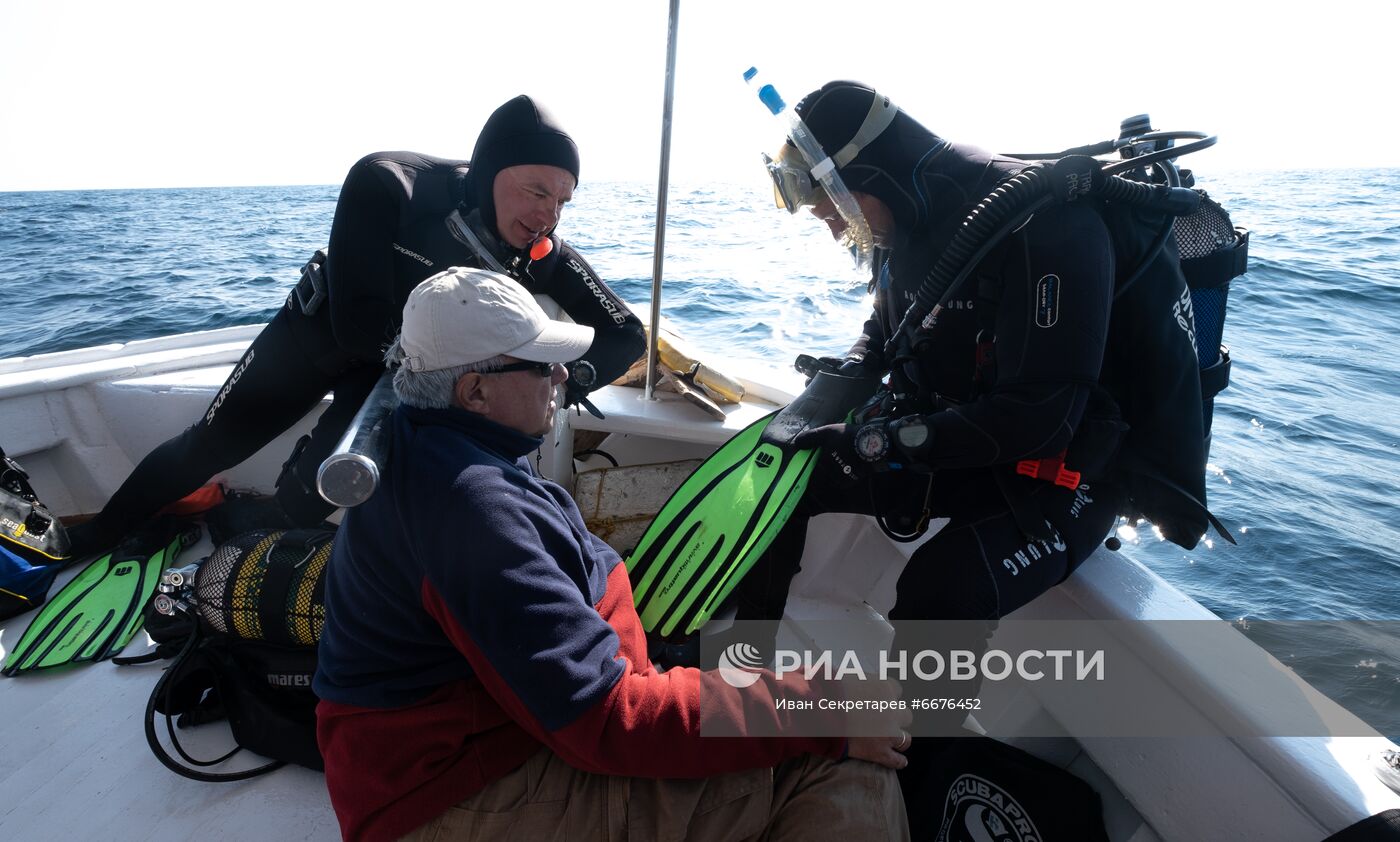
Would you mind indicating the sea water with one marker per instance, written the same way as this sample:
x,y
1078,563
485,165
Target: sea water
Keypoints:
x,y
1305,462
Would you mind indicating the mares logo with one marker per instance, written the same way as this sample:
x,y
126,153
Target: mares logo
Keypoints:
x,y
609,306
288,680
228,386
978,810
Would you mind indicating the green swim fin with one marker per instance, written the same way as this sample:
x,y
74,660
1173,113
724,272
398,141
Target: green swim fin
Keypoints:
x,y
99,611
722,518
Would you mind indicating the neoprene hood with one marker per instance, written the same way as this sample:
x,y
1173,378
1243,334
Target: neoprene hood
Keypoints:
x,y
519,132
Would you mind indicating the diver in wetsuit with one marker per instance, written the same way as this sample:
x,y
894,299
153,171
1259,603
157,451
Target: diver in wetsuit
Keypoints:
x,y
401,217
1011,373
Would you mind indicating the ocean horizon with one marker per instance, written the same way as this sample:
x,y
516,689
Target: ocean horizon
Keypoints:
x,y
1306,441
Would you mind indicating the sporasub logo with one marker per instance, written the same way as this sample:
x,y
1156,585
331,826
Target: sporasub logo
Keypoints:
x,y
413,254
609,306
223,393
978,810
292,680
1185,316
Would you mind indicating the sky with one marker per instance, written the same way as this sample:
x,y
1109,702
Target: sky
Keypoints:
x,y
183,93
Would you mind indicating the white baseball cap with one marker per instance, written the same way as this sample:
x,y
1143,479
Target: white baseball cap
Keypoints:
x,y
462,316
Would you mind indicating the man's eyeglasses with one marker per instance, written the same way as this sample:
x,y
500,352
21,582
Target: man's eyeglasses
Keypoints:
x,y
542,369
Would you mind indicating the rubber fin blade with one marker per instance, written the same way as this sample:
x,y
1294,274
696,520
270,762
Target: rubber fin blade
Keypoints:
x,y
99,611
713,529
727,513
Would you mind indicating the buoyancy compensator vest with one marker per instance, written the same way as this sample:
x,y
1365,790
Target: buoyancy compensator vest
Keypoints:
x,y
1161,367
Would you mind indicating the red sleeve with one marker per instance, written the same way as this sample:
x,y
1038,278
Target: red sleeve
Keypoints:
x,y
649,723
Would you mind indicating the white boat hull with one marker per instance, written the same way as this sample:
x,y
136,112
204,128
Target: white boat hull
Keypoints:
x,y
77,766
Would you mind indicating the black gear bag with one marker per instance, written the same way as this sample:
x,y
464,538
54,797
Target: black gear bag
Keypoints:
x,y
243,627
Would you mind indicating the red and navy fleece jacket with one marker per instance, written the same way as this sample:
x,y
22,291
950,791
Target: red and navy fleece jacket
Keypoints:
x,y
471,619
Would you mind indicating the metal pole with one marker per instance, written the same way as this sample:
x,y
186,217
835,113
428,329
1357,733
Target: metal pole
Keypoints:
x,y
659,255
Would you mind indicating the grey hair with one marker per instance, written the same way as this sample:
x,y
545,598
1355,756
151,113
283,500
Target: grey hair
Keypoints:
x,y
431,389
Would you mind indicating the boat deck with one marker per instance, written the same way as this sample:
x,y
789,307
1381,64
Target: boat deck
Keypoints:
x,y
76,764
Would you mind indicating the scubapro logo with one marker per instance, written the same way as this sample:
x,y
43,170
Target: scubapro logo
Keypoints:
x,y
978,810
763,460
740,665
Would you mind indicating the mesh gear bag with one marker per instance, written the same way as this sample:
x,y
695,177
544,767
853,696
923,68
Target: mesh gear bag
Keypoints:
x,y
1213,252
247,652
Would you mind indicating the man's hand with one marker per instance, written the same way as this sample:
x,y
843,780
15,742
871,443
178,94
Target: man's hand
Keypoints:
x,y
886,751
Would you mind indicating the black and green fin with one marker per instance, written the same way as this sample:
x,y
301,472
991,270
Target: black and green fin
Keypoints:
x,y
99,611
716,525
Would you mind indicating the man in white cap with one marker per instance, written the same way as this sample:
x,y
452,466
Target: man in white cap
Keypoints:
x,y
483,672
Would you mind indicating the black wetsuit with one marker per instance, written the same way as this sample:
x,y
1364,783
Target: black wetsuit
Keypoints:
x,y
392,229
1048,341
981,565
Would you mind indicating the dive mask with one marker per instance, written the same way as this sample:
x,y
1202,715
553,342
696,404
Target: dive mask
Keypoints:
x,y
803,174
793,188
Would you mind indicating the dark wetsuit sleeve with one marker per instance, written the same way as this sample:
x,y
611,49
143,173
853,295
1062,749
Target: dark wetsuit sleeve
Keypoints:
x,y
618,338
358,265
1051,327
871,344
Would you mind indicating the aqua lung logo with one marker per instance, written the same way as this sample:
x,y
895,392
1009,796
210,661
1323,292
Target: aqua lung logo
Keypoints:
x,y
740,665
1032,552
1047,301
232,380
978,810
413,254
763,460
1081,499
608,305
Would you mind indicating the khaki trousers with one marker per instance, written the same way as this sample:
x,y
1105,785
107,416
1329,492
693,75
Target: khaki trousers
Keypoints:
x,y
807,798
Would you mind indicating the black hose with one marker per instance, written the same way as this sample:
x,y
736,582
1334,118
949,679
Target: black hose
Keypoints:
x,y
994,216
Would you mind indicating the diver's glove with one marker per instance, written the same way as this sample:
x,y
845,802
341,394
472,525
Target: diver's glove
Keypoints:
x,y
844,366
576,396
837,442
582,378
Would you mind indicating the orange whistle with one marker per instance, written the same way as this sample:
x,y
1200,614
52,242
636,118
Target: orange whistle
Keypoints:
x,y
541,248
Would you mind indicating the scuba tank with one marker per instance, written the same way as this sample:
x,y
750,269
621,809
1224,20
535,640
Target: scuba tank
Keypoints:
x,y
1149,209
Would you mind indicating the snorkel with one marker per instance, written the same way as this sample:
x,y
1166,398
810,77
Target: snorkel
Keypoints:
x,y
792,185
